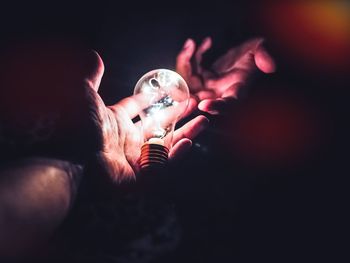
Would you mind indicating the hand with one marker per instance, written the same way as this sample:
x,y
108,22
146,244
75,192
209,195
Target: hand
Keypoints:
x,y
121,138
60,113
218,85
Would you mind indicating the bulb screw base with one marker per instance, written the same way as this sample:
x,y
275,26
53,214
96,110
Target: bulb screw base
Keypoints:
x,y
153,156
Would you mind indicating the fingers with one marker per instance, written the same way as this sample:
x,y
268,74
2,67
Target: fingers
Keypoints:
x,y
264,61
132,105
236,66
232,92
219,105
215,106
179,149
183,60
205,45
95,69
227,80
244,56
248,56
192,106
226,61
206,94
211,106
191,129
184,135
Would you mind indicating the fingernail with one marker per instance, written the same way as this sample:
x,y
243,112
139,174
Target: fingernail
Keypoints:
x,y
213,112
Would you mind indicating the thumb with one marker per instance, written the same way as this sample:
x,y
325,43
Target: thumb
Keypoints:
x,y
94,68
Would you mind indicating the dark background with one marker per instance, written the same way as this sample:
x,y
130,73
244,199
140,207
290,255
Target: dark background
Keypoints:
x,y
268,179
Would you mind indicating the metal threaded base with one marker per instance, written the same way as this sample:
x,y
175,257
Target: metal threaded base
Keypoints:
x,y
153,156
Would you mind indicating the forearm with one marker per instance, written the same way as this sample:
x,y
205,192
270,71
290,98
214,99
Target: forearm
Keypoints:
x,y
35,196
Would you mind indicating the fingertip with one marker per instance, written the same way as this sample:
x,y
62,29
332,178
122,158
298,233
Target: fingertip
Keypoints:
x,y
186,143
180,148
204,122
203,105
189,45
192,105
95,69
207,43
193,101
264,61
186,53
259,41
217,106
208,106
100,68
187,42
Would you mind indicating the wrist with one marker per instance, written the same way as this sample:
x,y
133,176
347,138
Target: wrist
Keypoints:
x,y
39,167
37,190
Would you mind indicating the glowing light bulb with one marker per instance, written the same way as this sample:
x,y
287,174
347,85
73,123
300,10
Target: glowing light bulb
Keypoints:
x,y
165,96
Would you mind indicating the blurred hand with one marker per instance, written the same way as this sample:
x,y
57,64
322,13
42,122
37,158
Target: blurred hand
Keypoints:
x,y
215,87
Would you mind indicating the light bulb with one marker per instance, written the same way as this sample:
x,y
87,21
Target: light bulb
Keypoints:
x,y
165,97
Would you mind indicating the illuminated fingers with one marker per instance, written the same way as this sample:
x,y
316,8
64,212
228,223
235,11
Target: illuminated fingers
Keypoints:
x,y
215,106
232,91
204,46
192,106
132,105
206,94
179,149
226,61
227,80
191,129
183,60
264,61
248,56
184,66
95,74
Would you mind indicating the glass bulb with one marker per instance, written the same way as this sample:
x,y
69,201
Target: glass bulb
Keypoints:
x,y
165,96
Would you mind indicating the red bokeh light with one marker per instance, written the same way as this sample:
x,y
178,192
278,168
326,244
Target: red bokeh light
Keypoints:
x,y
275,130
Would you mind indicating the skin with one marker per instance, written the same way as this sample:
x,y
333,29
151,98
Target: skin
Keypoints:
x,y
121,137
214,87
35,196
37,193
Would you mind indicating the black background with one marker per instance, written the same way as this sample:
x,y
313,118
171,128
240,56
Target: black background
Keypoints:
x,y
230,208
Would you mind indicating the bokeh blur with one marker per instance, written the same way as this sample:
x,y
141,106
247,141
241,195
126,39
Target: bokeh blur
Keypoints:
x,y
268,180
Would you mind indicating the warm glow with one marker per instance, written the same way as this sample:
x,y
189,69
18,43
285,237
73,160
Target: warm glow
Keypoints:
x,y
314,33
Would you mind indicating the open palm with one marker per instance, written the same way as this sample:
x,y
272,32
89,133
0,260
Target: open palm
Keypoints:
x,y
221,82
121,138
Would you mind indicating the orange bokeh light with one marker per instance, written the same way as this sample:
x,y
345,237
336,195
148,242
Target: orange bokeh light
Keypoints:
x,y
315,33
